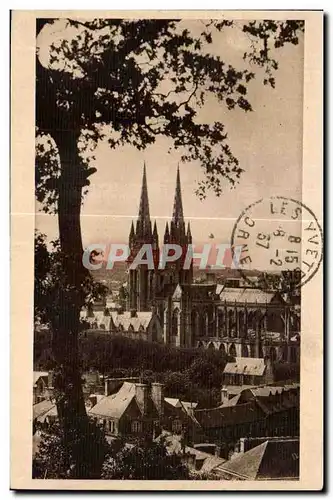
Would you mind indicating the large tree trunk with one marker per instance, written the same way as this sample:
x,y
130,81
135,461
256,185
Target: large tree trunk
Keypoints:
x,y
66,323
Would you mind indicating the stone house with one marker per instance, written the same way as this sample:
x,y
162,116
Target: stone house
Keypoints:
x,y
40,386
137,409
248,371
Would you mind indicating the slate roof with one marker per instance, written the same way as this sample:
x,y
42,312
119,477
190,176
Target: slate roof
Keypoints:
x,y
116,404
40,408
273,399
52,412
98,397
231,402
275,459
224,416
237,389
125,320
249,295
189,406
266,390
246,366
98,317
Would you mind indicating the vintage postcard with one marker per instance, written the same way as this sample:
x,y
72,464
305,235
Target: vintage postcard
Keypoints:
x,y
167,250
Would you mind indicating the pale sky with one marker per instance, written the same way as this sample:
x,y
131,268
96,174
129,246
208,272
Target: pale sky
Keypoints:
x,y
267,143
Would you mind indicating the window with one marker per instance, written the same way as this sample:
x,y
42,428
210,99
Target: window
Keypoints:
x,y
111,426
174,325
177,426
136,426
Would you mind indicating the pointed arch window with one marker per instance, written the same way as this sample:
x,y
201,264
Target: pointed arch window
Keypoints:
x,y
174,324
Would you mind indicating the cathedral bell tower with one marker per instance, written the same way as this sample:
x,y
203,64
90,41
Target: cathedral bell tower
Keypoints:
x,y
178,235
141,279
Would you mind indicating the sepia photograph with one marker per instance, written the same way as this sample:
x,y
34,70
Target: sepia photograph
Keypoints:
x,y
174,242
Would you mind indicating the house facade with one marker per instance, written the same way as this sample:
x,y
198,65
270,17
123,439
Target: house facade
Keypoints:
x,y
138,409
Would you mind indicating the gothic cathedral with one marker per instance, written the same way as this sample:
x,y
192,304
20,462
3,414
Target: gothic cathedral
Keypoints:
x,y
162,290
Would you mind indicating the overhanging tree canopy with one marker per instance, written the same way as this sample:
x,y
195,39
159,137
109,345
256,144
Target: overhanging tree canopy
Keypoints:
x,y
131,81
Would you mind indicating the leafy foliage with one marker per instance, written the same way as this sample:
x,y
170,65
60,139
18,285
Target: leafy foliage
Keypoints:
x,y
78,455
286,371
144,458
130,81
147,459
265,36
51,278
107,353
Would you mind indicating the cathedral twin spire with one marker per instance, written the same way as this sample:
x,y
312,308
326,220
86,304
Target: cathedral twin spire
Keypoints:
x,y
144,232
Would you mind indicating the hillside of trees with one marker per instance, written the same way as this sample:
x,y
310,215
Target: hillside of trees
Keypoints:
x,y
191,374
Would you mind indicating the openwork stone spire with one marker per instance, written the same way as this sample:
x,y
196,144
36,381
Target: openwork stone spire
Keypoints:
x,y
143,225
178,215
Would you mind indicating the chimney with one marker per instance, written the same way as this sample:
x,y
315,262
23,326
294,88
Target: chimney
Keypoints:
x,y
90,311
242,445
110,385
141,394
93,400
224,395
157,395
269,371
50,380
210,277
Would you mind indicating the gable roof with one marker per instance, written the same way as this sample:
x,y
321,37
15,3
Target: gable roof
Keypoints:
x,y
52,412
38,375
177,294
177,403
271,401
249,295
116,404
98,317
126,321
246,465
40,408
246,366
272,459
231,402
188,406
234,390
174,402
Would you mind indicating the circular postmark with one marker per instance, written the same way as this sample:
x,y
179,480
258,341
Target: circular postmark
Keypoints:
x,y
277,243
